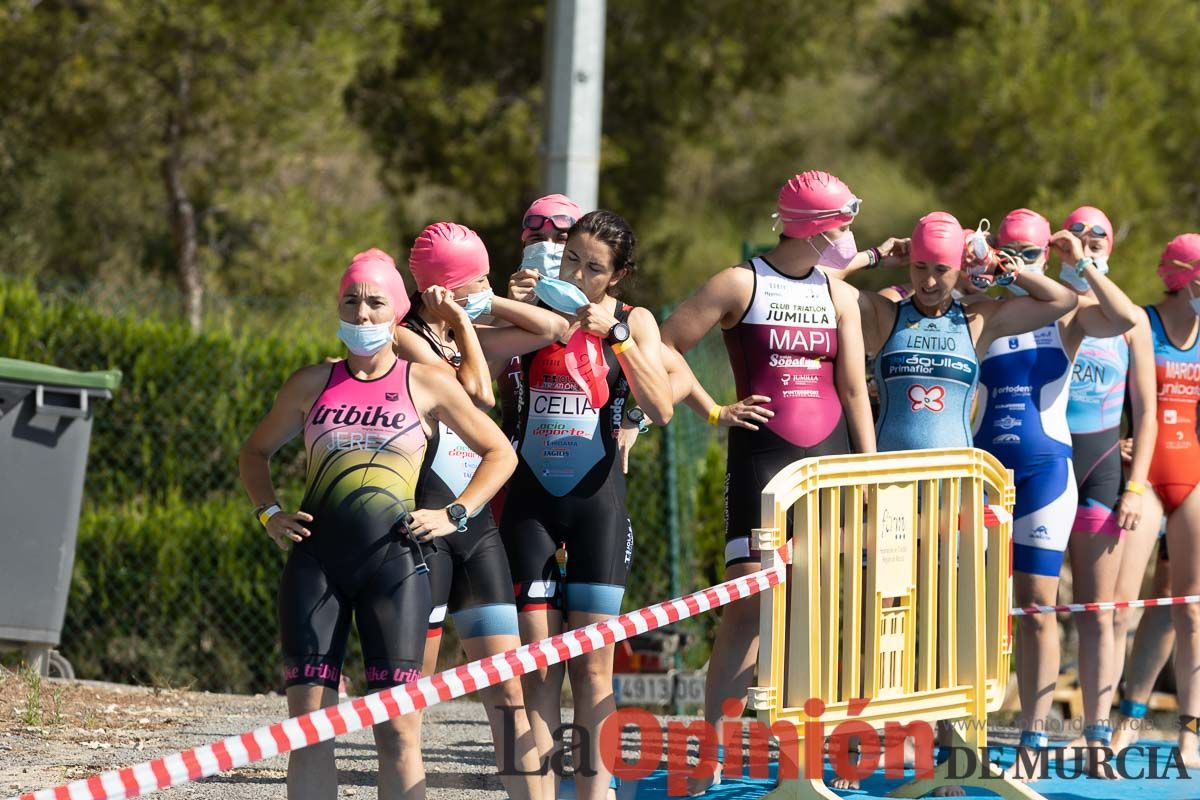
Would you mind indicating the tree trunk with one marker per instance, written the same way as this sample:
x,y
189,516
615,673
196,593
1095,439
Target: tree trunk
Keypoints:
x,y
180,210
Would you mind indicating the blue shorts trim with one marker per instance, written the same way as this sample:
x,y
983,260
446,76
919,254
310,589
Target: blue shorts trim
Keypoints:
x,y
498,619
594,598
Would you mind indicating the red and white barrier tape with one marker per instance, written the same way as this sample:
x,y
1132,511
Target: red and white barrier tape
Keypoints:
x,y
363,712
1076,608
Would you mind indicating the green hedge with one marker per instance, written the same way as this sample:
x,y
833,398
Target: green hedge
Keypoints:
x,y
174,593
186,401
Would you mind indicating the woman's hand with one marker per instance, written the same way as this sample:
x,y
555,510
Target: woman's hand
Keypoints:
x,y
746,412
520,285
441,304
595,319
1068,244
283,526
427,524
1129,511
893,252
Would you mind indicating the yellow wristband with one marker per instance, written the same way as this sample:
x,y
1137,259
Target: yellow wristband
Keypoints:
x,y
1135,487
267,513
621,347
714,414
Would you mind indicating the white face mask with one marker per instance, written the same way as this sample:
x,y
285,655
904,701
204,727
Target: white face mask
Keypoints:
x,y
544,256
1039,269
1194,302
1078,283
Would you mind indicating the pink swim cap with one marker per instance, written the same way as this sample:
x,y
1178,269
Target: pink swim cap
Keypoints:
x,y
938,239
1090,215
552,205
814,202
377,268
1024,225
447,254
1180,262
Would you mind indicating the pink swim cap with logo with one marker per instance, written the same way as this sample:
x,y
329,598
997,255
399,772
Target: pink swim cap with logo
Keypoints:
x,y
447,254
1024,225
376,268
1180,262
938,239
814,202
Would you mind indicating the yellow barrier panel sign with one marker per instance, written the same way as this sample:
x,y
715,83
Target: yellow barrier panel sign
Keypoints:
x,y
896,606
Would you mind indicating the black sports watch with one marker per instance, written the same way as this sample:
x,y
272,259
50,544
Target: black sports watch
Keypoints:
x,y
618,333
458,515
635,415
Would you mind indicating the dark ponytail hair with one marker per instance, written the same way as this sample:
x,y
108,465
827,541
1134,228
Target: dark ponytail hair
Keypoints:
x,y
611,229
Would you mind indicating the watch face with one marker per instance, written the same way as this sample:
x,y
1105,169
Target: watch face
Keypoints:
x,y
457,511
636,415
619,332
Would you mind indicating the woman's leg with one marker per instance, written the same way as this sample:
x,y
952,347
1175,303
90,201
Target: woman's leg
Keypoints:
x,y
1183,536
311,771
592,692
1155,636
521,751
1095,566
1038,654
731,665
401,771
542,689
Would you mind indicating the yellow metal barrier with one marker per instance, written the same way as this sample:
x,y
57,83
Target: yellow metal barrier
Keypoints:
x,y
922,629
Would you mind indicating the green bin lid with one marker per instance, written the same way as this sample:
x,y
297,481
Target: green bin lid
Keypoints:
x,y
31,372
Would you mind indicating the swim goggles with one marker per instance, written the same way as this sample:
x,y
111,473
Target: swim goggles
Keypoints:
x,y
985,265
849,209
1080,228
400,526
535,222
1029,254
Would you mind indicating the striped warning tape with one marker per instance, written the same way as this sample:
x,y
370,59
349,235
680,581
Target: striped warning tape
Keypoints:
x,y
363,712
1076,608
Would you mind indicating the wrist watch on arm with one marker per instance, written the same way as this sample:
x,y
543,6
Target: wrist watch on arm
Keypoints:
x,y
638,417
457,513
619,337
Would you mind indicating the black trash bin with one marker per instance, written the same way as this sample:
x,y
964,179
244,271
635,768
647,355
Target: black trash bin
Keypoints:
x,y
45,426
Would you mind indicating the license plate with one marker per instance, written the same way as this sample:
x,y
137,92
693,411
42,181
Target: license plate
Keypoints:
x,y
689,688
644,688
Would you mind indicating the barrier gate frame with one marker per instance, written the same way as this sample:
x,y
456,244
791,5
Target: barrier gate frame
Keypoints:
x,y
920,676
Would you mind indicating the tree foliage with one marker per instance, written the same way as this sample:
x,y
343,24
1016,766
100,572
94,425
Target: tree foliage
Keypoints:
x,y
1051,106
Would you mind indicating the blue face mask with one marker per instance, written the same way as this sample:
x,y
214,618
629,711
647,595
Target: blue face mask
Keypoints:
x,y
479,303
365,340
545,257
560,295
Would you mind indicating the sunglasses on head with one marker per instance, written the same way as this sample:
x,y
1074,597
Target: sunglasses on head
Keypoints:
x,y
535,222
1080,228
1029,254
850,209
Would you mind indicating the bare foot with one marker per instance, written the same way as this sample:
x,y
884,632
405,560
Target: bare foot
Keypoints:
x,y
1124,737
1014,772
949,791
844,783
698,786
1102,769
